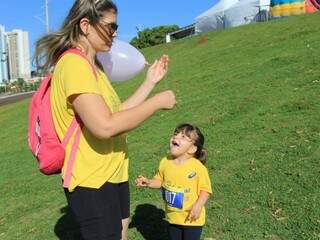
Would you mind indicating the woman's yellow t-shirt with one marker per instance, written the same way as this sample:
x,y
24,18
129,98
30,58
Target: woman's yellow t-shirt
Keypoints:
x,y
181,186
97,161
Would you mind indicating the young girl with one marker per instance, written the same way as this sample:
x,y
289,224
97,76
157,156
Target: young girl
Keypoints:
x,y
98,190
185,183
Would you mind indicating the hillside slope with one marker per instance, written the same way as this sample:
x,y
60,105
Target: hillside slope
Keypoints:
x,y
254,91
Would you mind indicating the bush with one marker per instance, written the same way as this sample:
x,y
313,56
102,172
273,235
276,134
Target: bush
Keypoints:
x,y
151,37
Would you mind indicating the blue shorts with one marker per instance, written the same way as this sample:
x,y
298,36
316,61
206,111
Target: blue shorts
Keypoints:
x,y
179,232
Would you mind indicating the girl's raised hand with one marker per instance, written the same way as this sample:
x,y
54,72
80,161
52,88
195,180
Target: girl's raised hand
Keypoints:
x,y
158,69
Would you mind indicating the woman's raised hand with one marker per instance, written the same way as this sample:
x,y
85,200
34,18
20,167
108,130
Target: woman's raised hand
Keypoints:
x,y
158,69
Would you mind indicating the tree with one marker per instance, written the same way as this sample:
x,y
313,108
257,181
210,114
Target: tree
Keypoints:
x,y
20,83
2,89
151,37
35,85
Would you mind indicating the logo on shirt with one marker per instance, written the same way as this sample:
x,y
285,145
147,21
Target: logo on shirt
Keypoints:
x,y
191,175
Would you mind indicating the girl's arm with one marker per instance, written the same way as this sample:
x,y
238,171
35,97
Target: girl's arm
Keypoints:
x,y
195,209
142,181
155,73
203,198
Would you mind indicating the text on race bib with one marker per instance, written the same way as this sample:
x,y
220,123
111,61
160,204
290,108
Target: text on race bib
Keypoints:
x,y
173,196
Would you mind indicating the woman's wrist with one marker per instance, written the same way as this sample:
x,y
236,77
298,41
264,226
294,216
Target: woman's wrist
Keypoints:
x,y
149,83
156,102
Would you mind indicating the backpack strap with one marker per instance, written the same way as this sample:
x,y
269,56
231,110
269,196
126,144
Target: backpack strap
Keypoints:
x,y
73,153
77,51
69,132
75,123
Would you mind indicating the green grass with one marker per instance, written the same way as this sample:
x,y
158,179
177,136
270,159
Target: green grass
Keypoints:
x,y
255,93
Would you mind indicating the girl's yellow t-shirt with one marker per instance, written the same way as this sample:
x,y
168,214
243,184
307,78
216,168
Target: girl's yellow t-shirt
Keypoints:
x,y
97,161
181,186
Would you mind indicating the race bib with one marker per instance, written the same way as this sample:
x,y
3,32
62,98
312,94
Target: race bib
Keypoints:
x,y
173,196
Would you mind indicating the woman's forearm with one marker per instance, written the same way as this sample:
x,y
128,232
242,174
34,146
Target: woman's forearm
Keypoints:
x,y
102,123
126,120
139,96
98,118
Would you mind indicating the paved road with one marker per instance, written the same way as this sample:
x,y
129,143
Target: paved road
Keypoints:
x,y
14,98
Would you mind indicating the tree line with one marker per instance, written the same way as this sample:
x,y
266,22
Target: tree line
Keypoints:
x,y
151,37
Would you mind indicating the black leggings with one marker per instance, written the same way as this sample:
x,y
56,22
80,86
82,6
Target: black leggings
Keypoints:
x,y
99,211
179,232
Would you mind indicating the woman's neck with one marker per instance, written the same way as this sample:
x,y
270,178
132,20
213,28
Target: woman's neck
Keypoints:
x,y
87,50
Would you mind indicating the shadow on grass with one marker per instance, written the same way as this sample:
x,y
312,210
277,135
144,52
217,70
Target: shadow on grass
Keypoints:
x,y
149,221
66,228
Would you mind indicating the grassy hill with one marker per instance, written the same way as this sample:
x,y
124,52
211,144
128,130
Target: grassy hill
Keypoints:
x,y
255,93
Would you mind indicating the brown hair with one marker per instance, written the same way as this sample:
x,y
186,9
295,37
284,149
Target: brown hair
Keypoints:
x,y
50,47
196,135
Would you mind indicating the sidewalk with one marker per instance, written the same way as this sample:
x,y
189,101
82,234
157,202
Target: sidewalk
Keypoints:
x,y
6,99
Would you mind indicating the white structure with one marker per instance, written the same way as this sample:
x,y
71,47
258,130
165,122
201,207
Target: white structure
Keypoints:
x,y
232,13
3,57
180,33
18,54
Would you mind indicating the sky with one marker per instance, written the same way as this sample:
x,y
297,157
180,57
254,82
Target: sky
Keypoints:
x,y
29,16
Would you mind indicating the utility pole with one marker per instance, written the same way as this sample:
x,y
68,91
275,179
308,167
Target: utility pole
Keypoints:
x,y
47,16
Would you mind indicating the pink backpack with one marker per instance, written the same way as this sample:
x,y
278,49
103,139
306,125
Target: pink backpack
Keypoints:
x,y
42,137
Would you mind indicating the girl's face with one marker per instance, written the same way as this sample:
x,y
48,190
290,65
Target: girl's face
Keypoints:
x,y
107,27
182,145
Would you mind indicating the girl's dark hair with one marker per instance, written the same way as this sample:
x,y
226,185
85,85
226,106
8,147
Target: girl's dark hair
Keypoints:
x,y
196,135
50,47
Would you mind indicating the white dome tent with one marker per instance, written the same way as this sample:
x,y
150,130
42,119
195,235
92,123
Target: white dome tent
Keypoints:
x,y
232,13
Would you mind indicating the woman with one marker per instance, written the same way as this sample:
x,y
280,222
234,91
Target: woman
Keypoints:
x,y
98,193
